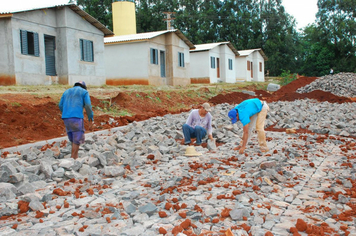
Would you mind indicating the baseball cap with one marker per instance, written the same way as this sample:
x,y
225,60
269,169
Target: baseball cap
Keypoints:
x,y
233,115
206,107
81,84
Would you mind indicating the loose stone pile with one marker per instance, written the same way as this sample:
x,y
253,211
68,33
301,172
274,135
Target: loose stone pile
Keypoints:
x,y
342,84
137,181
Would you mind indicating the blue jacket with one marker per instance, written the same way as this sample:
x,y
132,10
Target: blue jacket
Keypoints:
x,y
73,101
248,108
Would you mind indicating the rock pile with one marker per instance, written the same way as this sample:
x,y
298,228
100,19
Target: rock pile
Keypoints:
x,y
342,84
137,181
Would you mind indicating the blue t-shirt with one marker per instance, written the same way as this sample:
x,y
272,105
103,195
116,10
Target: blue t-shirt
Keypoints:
x,y
73,101
248,108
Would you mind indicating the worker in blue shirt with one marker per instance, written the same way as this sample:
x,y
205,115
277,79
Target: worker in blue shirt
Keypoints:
x,y
250,112
71,105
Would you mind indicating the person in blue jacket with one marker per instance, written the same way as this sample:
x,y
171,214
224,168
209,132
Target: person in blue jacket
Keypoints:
x,y
71,105
251,112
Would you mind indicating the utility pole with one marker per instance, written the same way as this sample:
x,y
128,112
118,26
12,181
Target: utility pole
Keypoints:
x,y
169,19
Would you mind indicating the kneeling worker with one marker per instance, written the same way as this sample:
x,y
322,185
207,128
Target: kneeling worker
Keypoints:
x,y
198,125
248,112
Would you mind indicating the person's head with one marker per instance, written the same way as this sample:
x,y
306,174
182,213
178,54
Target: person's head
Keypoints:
x,y
81,84
206,107
233,115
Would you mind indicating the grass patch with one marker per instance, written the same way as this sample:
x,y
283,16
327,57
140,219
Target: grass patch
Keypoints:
x,y
287,77
15,104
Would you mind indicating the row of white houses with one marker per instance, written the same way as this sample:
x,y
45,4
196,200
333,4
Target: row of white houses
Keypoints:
x,y
63,44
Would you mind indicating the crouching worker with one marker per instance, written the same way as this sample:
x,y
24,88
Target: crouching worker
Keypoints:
x,y
198,125
71,105
250,112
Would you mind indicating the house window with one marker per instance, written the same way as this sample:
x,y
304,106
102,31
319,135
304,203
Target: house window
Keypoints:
x,y
230,64
86,50
212,62
248,65
29,43
260,66
154,56
180,59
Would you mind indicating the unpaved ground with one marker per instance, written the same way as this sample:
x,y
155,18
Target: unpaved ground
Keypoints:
x,y
28,117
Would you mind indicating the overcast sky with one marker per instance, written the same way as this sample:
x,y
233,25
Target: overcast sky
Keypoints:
x,y
303,10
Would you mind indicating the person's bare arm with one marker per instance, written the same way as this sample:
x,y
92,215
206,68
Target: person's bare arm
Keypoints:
x,y
242,146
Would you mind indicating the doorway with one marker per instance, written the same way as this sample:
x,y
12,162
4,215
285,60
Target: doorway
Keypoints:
x,y
251,70
50,59
162,56
218,67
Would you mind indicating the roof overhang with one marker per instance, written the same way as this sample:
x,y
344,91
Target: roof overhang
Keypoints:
x,y
144,37
74,8
209,46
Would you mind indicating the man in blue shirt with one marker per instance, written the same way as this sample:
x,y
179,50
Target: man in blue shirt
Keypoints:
x,y
71,105
249,112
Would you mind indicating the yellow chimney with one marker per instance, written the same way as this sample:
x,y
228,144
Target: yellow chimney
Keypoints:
x,y
124,17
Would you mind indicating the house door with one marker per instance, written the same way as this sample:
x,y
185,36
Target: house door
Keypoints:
x,y
50,47
251,70
162,56
218,67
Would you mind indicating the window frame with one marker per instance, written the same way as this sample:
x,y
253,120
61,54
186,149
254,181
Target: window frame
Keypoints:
x,y
248,65
181,59
154,56
86,50
230,64
212,62
29,41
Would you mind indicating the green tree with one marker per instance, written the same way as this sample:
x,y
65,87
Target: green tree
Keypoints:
x,y
336,20
316,56
99,9
241,24
279,36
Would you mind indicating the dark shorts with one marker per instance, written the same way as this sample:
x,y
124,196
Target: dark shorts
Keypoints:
x,y
75,130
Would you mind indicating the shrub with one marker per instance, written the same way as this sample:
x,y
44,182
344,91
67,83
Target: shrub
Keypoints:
x,y
287,77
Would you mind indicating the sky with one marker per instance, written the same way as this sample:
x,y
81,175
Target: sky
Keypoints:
x,y
303,10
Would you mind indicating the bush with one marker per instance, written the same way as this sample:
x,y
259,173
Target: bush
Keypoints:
x,y
287,77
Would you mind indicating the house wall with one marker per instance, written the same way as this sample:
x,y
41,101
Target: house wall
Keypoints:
x,y
72,28
127,63
226,75
258,75
178,75
200,67
213,72
130,62
242,74
202,72
7,72
67,27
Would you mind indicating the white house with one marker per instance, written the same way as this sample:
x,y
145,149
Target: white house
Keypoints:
x,y
250,65
57,44
213,62
153,58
